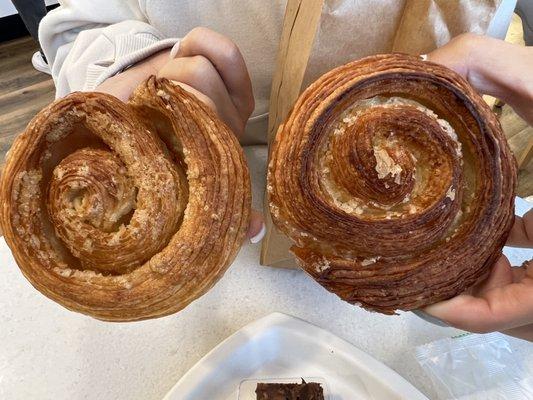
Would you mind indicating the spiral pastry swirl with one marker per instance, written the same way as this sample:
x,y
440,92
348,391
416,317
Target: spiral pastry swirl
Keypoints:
x,y
394,181
125,211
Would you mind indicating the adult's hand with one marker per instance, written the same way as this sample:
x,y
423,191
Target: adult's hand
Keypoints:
x,y
492,67
504,301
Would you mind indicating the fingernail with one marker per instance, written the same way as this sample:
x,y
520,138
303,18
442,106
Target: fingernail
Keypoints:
x,y
257,238
430,318
424,57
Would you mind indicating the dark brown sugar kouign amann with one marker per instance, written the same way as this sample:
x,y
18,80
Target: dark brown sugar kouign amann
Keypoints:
x,y
125,211
393,179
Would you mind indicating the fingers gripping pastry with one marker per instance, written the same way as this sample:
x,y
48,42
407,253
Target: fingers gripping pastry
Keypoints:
x,y
394,181
125,211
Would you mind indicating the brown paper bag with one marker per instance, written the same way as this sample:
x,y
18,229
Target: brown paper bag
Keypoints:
x,y
319,35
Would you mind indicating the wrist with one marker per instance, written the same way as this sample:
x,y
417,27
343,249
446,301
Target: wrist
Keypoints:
x,y
478,61
493,67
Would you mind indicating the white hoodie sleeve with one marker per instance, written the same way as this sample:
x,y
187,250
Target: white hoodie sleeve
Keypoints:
x,y
86,42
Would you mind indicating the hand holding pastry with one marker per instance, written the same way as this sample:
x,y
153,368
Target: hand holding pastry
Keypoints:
x,y
504,301
211,67
394,181
125,211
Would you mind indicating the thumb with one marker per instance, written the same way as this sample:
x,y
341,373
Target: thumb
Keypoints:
x,y
498,305
464,312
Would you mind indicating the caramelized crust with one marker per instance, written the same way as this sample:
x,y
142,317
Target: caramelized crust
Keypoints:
x,y
125,211
394,180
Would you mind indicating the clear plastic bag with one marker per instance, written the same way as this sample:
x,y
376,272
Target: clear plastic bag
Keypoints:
x,y
476,367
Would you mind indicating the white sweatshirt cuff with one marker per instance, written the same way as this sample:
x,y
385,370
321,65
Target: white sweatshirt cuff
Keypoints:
x,y
95,55
129,50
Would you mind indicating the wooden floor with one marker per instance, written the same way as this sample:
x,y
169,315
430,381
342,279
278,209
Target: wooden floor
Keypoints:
x,y
24,91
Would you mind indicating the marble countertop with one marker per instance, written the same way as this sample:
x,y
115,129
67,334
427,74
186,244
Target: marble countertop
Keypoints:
x,y
48,352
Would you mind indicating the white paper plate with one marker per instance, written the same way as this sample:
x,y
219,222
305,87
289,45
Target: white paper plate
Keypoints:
x,y
281,346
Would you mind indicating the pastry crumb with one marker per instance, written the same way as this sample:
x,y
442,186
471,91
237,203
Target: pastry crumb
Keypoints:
x,y
350,120
451,193
369,261
338,131
64,272
323,267
161,93
88,245
386,166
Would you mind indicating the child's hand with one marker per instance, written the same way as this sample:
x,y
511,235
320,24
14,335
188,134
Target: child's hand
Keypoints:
x,y
211,67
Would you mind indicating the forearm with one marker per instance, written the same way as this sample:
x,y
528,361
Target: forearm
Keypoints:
x,y
83,60
502,70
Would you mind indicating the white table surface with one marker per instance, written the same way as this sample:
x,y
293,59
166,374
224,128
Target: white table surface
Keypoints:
x,y
48,352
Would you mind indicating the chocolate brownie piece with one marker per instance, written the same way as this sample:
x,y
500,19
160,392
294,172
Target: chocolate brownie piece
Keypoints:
x,y
289,391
